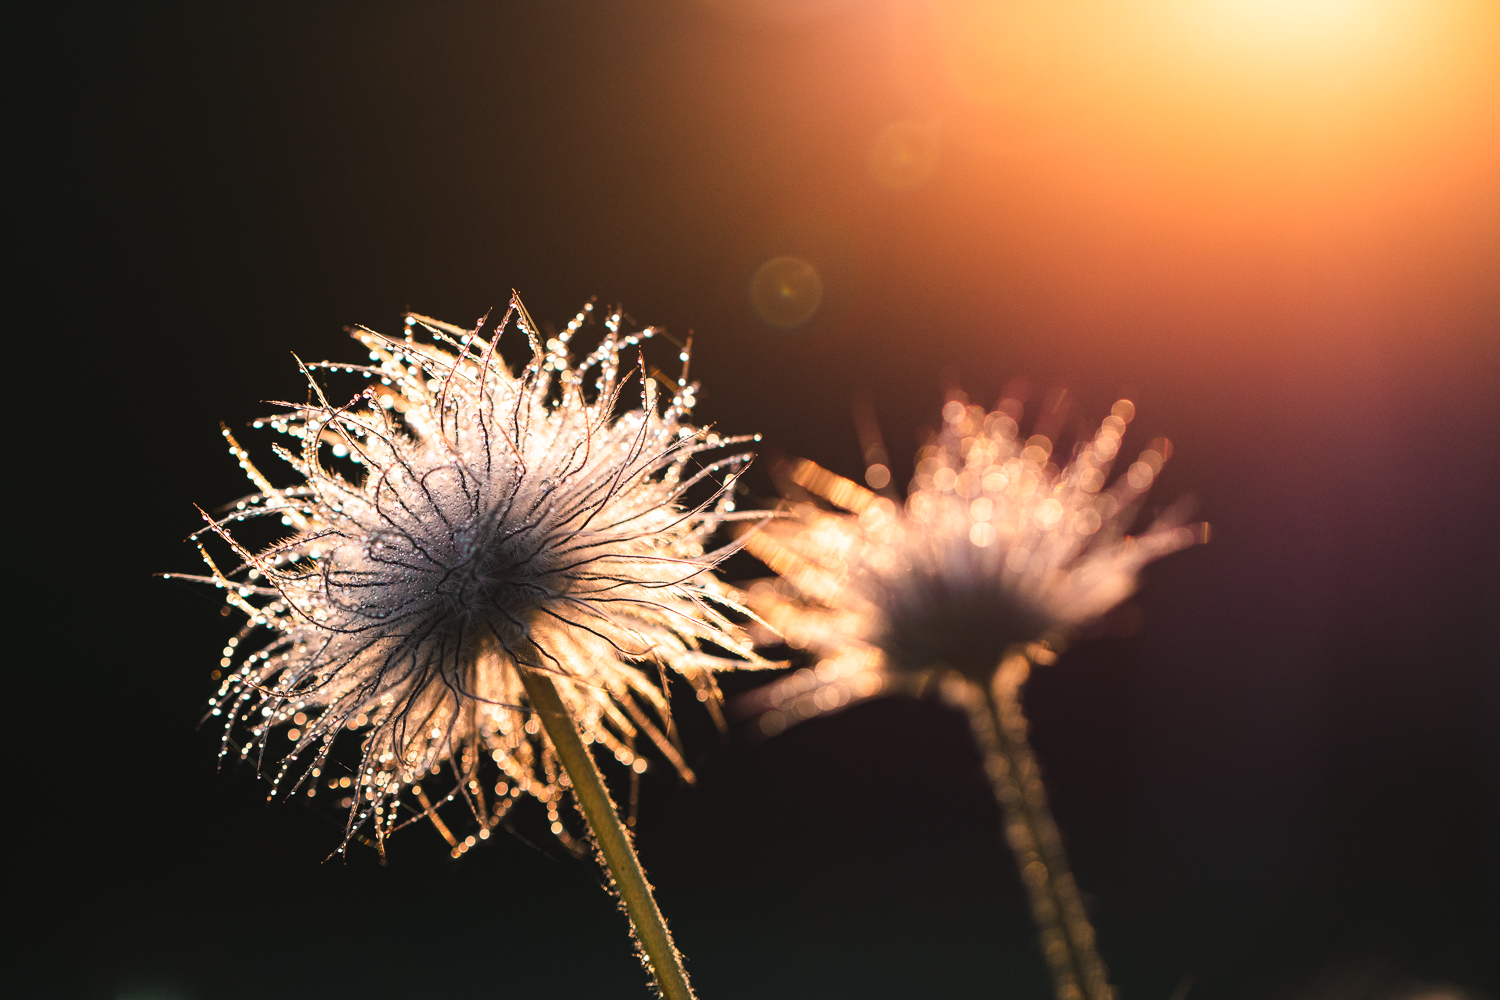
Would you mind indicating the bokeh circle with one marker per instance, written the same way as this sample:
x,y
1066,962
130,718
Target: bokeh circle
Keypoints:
x,y
785,292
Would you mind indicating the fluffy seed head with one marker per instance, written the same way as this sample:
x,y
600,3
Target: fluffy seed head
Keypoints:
x,y
455,523
996,549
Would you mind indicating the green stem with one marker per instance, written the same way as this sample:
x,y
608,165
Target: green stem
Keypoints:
x,y
610,836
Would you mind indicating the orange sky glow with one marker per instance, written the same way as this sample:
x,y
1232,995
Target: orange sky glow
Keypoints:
x,y
1196,140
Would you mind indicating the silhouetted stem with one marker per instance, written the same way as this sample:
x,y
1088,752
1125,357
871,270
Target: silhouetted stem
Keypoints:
x,y
610,836
1067,937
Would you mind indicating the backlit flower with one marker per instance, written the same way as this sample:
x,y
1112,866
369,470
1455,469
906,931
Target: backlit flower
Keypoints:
x,y
997,555
457,522
996,548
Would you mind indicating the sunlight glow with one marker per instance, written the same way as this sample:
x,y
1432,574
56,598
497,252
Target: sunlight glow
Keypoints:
x,y
1235,81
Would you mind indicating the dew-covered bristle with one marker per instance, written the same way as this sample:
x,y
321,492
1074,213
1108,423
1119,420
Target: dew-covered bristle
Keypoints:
x,y
454,522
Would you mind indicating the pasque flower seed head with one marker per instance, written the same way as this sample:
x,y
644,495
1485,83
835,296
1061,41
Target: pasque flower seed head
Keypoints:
x,y
996,548
458,522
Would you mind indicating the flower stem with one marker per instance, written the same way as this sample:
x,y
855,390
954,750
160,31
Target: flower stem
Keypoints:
x,y
1067,937
610,836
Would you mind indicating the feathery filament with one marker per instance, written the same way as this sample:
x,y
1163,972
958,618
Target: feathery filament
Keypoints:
x,y
485,522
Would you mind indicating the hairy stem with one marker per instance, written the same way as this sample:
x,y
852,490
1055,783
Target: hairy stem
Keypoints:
x,y
610,836
1067,937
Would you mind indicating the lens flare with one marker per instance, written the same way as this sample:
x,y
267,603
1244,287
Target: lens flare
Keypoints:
x,y
786,292
904,155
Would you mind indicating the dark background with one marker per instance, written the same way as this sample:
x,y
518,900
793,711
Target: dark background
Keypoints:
x,y
1287,783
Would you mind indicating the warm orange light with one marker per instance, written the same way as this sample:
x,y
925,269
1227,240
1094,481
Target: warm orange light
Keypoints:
x,y
1236,93
1149,150
1323,31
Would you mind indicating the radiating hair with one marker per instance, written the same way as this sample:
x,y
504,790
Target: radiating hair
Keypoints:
x,y
995,549
457,522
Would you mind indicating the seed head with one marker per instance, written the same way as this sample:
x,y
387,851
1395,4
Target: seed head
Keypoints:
x,y
996,549
454,524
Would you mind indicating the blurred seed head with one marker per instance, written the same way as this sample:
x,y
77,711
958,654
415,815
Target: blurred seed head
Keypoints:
x,y
997,549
